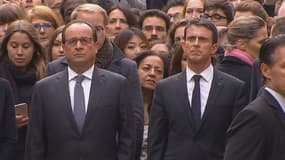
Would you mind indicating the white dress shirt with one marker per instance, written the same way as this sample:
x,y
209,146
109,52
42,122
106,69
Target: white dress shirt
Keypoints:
x,y
280,99
205,85
86,85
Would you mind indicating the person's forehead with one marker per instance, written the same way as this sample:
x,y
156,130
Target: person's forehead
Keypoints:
x,y
195,4
78,27
150,19
193,30
95,18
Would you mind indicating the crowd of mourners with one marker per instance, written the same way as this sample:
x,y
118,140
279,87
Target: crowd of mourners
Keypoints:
x,y
142,80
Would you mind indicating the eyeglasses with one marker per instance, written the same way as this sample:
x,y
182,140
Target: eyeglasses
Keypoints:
x,y
99,28
43,25
82,40
214,17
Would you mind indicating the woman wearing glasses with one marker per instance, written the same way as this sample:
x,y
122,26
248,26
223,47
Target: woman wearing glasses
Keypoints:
x,y
22,63
45,21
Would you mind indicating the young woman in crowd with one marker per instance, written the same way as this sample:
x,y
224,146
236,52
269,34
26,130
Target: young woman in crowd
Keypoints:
x,y
22,63
55,49
120,18
245,36
132,42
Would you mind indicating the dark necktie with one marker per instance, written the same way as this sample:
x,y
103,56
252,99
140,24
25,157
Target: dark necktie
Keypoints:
x,y
79,103
196,102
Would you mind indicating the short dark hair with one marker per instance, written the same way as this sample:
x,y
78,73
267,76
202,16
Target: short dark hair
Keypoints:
x,y
131,19
252,6
148,53
223,5
173,3
124,36
202,22
267,50
154,13
94,35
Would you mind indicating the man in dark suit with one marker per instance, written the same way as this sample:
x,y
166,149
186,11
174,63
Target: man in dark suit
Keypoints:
x,y
8,130
82,112
111,58
257,132
189,118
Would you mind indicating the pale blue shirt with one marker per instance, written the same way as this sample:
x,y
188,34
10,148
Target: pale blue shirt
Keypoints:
x,y
280,99
205,85
86,84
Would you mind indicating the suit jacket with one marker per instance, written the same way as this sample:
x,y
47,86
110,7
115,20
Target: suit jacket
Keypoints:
x,y
172,135
256,83
257,132
108,129
127,68
8,130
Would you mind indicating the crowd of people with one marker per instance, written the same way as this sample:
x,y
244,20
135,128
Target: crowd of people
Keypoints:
x,y
142,80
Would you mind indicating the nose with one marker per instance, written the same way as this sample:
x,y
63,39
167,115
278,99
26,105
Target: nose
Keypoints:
x,y
196,41
42,30
19,51
118,24
195,14
78,44
60,49
153,31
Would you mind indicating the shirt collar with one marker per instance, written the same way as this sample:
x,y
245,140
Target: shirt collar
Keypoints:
x,y
280,99
207,74
87,74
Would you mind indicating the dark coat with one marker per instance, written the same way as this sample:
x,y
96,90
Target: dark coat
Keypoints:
x,y
108,127
257,132
172,135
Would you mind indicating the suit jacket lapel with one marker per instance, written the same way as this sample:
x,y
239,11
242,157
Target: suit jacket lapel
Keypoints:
x,y
182,86
63,85
98,80
216,87
275,106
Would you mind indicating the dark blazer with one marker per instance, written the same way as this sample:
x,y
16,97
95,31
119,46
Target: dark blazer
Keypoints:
x,y
108,128
172,135
127,68
257,132
239,69
8,130
256,84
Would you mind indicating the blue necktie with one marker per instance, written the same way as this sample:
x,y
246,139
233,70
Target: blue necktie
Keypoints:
x,y
79,103
196,102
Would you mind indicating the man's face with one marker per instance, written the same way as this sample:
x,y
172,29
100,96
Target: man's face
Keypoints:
x,y
275,74
97,20
69,6
154,28
217,16
194,9
175,13
198,46
79,47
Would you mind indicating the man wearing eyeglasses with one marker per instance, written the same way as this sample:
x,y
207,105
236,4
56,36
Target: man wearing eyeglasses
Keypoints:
x,y
109,57
220,12
83,112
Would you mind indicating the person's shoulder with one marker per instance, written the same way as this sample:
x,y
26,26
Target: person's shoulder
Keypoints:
x,y
109,74
60,60
229,78
51,78
173,79
4,84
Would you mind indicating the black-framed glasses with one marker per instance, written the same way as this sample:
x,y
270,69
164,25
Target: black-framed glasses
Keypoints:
x,y
214,17
82,40
43,25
